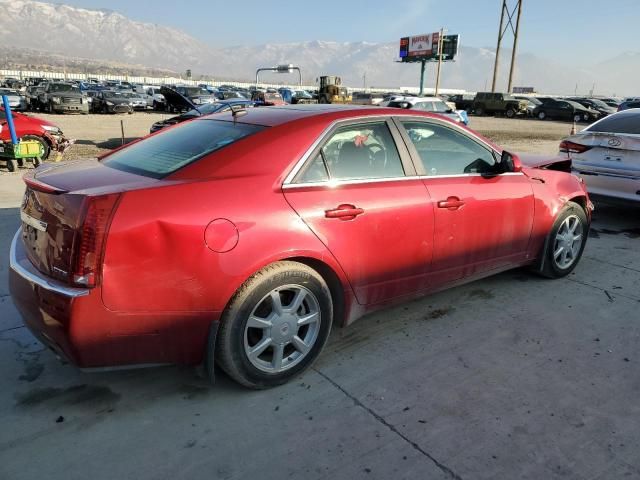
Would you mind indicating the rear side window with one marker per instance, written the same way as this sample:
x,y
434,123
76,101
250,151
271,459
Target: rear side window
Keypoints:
x,y
623,122
160,155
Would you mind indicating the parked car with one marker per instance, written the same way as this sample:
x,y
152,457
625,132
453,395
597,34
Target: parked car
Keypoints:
x,y
138,100
532,103
157,253
197,96
463,101
498,103
111,101
565,110
629,104
155,99
63,97
16,100
267,98
295,97
595,104
429,104
32,97
33,128
606,155
366,98
209,108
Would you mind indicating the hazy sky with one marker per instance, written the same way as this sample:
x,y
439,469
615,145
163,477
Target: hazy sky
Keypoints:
x,y
560,29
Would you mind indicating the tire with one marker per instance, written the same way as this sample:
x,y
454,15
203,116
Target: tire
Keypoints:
x,y
480,110
577,118
570,223
45,145
510,113
542,115
270,335
585,117
12,164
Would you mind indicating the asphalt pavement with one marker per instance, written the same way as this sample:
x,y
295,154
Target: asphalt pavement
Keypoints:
x,y
511,377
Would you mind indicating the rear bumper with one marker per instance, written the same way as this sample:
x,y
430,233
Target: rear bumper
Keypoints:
x,y
611,186
76,325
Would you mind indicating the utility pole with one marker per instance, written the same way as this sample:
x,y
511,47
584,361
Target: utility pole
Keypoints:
x,y
516,10
423,66
364,81
440,40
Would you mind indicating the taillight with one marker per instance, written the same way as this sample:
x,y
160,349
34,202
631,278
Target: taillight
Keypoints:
x,y
92,235
571,147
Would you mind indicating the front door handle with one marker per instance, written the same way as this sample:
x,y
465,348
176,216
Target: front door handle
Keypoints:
x,y
344,212
451,203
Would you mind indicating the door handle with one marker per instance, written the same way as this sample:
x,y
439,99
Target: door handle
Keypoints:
x,y
451,203
344,212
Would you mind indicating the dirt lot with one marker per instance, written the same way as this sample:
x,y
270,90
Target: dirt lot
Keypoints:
x,y
95,134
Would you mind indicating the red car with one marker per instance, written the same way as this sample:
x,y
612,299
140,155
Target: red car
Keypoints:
x,y
34,128
244,237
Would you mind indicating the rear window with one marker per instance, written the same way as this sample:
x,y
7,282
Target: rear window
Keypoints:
x,y
623,122
160,155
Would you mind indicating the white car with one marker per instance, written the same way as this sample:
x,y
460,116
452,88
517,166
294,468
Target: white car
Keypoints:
x,y
16,100
155,99
427,104
606,155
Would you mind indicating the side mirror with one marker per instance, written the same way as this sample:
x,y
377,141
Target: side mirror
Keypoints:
x,y
510,162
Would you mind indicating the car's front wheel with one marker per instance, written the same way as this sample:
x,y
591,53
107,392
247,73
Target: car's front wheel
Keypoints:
x,y
566,241
542,115
274,327
511,113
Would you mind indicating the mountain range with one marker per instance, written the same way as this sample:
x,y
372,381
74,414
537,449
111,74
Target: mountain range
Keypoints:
x,y
104,35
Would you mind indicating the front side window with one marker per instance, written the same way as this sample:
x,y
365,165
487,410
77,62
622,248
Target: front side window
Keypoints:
x,y
356,152
444,151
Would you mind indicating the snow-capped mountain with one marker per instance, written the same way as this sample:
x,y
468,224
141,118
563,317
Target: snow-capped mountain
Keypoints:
x,y
109,36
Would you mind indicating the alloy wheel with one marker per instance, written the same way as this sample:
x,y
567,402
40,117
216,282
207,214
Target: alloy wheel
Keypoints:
x,y
568,242
282,328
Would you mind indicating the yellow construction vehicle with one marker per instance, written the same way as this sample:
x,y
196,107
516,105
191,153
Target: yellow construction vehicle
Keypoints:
x,y
330,91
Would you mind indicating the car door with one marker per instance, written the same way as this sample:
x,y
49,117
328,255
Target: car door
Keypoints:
x,y
482,220
359,193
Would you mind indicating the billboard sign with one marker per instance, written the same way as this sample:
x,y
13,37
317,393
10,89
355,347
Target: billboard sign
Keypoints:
x,y
419,46
425,47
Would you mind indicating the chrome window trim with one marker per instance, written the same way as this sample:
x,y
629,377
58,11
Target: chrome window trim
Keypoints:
x,y
339,183
19,263
288,181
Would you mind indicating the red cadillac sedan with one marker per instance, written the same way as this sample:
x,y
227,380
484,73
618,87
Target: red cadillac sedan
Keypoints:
x,y
241,238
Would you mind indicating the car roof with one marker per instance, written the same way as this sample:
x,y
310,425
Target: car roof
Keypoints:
x,y
279,115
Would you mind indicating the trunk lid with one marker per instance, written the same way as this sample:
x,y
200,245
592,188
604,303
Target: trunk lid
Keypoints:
x,y
608,153
54,208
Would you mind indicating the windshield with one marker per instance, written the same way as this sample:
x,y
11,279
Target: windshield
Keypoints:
x,y
195,91
63,87
163,154
205,109
624,122
598,103
116,95
302,94
272,96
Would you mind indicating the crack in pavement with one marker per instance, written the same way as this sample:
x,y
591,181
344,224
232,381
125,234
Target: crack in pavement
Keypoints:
x,y
11,328
612,264
391,427
607,293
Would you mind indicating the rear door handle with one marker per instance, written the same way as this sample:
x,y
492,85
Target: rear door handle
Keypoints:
x,y
451,203
344,212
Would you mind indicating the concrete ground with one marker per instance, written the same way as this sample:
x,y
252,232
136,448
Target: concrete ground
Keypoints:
x,y
512,377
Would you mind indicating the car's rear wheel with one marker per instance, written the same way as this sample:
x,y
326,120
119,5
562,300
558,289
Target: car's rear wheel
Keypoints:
x,y
275,326
480,110
542,115
566,241
511,113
